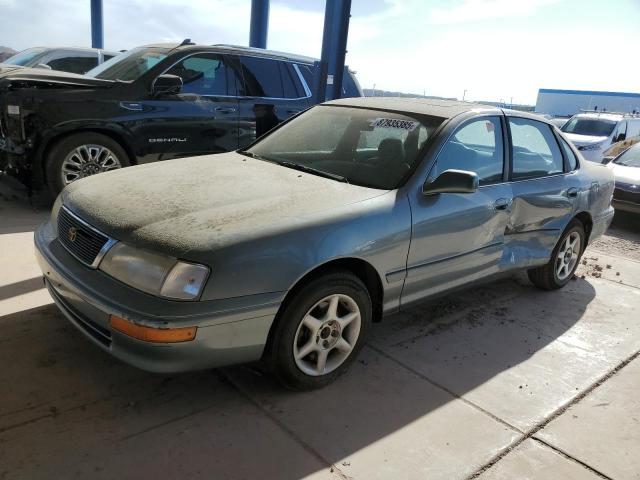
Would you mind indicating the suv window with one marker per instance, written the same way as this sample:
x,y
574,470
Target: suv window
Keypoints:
x,y
204,74
262,77
535,150
349,87
74,64
571,157
476,147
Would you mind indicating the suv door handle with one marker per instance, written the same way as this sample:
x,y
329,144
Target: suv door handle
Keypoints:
x,y
572,192
502,204
225,109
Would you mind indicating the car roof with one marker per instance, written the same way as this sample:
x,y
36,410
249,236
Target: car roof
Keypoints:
x,y
236,49
418,106
76,49
604,115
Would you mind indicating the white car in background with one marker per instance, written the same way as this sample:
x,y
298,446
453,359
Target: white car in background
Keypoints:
x,y
626,170
593,133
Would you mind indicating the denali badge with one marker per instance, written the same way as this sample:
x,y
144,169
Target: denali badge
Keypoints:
x,y
73,233
167,140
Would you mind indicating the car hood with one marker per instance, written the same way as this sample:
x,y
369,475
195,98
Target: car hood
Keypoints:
x,y
202,203
581,140
623,174
27,77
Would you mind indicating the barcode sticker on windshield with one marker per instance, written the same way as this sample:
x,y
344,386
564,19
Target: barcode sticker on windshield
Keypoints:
x,y
394,123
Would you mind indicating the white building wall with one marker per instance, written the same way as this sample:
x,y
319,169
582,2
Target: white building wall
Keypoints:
x,y
569,102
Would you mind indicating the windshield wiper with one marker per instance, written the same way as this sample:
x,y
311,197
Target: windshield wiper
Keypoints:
x,y
314,171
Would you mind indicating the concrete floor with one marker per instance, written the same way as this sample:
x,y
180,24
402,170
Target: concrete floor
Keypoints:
x,y
498,382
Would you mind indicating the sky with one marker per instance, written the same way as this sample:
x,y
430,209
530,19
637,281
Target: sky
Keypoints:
x,y
494,49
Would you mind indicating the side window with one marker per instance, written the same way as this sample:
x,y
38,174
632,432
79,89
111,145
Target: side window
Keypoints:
x,y
106,57
74,64
262,77
621,132
204,74
633,128
571,157
535,150
475,147
307,74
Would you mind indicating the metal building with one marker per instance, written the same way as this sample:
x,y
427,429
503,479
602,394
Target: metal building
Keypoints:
x,y
568,102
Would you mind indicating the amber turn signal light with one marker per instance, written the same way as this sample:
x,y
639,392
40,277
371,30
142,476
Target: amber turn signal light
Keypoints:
x,y
150,334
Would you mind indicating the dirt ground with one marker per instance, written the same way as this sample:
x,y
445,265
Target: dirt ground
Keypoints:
x,y
501,381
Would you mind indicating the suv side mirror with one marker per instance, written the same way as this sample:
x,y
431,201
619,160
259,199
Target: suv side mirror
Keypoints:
x,y
167,85
452,181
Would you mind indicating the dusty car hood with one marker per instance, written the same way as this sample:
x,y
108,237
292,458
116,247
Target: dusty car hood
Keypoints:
x,y
201,203
10,74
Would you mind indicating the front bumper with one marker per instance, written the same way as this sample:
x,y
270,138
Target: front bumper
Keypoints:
x,y
230,331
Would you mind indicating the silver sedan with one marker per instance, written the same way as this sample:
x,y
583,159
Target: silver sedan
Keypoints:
x,y
287,251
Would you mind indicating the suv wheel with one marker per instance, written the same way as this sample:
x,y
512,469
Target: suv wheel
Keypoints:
x,y
564,259
321,331
82,155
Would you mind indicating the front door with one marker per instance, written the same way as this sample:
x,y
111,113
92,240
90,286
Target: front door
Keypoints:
x,y
459,237
201,119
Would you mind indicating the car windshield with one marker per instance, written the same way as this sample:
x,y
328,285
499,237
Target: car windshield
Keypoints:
x,y
630,158
594,127
371,148
24,57
129,66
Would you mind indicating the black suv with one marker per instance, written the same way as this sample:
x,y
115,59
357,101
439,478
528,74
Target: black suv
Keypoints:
x,y
151,103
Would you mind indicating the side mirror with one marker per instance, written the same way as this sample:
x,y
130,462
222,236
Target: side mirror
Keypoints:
x,y
452,181
167,85
43,65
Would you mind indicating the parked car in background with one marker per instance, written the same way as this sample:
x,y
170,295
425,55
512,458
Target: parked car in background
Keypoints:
x,y
289,249
65,59
617,148
559,121
151,103
594,132
626,169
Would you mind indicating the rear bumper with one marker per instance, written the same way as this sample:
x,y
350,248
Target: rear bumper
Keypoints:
x,y
601,224
229,331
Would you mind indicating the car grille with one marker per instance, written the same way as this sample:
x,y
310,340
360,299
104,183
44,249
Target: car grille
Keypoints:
x,y
626,193
82,241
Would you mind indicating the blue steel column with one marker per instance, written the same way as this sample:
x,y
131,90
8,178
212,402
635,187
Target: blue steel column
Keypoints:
x,y
97,24
340,31
334,49
259,23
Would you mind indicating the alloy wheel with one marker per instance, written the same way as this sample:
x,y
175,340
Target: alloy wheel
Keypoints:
x,y
327,335
87,160
567,257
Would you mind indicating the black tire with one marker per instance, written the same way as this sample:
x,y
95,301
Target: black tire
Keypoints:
x,y
280,352
546,277
64,147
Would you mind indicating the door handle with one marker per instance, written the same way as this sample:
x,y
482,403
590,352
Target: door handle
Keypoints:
x,y
502,204
225,109
572,192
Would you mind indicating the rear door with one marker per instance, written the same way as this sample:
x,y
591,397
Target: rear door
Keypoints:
x,y
459,237
271,92
544,192
201,119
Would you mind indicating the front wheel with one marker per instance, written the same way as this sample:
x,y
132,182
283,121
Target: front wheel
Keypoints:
x,y
320,331
564,259
81,155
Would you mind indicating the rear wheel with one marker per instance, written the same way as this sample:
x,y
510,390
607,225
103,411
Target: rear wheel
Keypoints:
x,y
320,331
564,259
81,155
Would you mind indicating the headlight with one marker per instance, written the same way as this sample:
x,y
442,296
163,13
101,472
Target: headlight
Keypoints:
x,y
153,273
593,146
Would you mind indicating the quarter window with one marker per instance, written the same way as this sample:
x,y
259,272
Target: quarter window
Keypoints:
x,y
476,147
204,74
535,150
571,157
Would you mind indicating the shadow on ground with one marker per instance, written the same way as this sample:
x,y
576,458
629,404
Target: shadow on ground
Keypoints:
x,y
68,409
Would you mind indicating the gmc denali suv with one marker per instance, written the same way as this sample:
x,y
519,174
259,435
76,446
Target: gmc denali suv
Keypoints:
x,y
151,103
